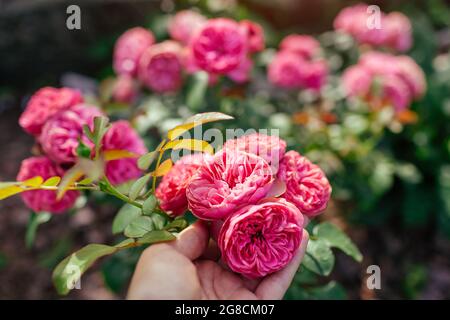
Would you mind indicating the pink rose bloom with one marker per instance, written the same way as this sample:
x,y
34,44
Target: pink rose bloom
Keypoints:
x,y
314,74
307,187
171,192
121,136
242,73
255,35
219,46
125,90
260,239
270,148
44,200
44,104
129,48
305,46
396,92
394,32
60,135
226,181
399,31
184,24
357,81
161,67
285,70
412,75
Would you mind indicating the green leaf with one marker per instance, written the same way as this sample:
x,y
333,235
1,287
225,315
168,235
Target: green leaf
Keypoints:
x,y
330,291
196,120
137,187
69,271
156,236
145,161
124,217
149,205
35,220
159,221
177,225
335,238
83,151
138,227
319,258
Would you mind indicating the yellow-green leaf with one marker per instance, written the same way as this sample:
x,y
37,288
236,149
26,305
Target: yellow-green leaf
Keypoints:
x,y
190,144
196,120
52,181
163,168
85,181
145,161
71,176
10,191
33,182
109,155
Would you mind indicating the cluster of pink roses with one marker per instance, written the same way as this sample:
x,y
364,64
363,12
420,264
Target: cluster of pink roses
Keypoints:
x,y
395,80
221,47
298,64
393,30
56,116
238,189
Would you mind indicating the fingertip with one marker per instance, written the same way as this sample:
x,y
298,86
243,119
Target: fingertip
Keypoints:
x,y
193,241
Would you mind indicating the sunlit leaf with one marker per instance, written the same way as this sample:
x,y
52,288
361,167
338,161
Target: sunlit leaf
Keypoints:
x,y
71,176
196,120
10,191
85,181
52,181
110,155
33,182
190,144
123,218
163,168
318,257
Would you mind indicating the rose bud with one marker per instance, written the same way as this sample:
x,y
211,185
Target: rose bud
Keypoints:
x,y
260,239
44,200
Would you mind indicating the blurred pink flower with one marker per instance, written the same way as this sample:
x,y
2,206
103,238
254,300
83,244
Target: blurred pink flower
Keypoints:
x,y
307,187
61,134
44,200
171,191
394,31
161,67
260,239
44,104
357,81
226,181
395,91
219,46
291,71
255,35
270,148
129,48
285,70
121,136
303,45
125,90
184,24
242,73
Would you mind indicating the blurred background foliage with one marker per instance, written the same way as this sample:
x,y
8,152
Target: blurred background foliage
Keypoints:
x,y
391,179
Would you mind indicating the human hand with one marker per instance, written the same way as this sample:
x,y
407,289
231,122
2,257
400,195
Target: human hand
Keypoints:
x,y
189,268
